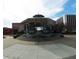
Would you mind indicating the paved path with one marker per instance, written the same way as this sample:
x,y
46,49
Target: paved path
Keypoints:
x,y
57,48
53,51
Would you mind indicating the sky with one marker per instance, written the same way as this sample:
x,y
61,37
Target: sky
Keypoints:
x,y
19,10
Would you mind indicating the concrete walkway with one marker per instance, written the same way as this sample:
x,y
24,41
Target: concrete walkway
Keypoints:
x,y
52,51
53,48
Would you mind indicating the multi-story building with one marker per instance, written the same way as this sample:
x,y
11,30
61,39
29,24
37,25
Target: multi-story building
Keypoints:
x,y
69,22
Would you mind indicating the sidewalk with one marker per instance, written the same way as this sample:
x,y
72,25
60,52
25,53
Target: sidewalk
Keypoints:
x,y
57,49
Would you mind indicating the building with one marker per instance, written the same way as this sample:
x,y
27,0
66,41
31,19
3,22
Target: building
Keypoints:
x,y
37,20
37,24
69,21
7,31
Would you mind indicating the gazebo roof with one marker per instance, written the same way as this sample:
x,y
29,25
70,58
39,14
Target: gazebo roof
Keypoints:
x,y
38,15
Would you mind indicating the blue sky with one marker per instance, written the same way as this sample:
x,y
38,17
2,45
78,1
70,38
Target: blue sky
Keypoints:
x,y
19,10
68,8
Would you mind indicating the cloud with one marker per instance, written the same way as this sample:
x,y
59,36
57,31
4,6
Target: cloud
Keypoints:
x,y
55,6
19,10
55,18
7,23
